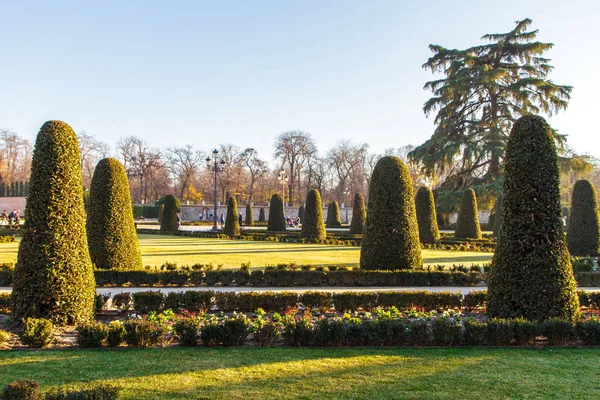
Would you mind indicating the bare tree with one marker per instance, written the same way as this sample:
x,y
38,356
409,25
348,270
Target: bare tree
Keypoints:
x,y
140,161
294,148
91,151
257,168
230,176
184,163
346,160
15,156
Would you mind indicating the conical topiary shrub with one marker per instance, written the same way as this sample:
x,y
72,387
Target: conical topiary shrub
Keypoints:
x,y
531,274
249,221
583,233
169,223
426,218
111,231
391,234
276,217
467,224
333,215
232,223
301,213
261,215
313,225
497,216
161,210
53,277
359,215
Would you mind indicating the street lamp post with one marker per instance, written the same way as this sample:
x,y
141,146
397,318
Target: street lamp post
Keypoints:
x,y
283,178
216,166
346,193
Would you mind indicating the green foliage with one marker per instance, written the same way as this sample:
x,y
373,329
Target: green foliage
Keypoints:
x,y
169,215
359,215
249,215
531,275
97,392
313,225
188,330
111,231
276,214
145,302
333,215
498,216
53,276
116,334
467,224
558,331
426,217
583,233
391,234
37,332
142,333
22,390
92,334
232,223
483,89
301,213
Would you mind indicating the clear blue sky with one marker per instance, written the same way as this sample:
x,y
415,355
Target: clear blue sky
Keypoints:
x,y
242,72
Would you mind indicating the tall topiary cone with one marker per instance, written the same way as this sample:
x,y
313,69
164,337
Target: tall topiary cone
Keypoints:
x,y
169,223
583,233
498,218
467,224
111,231
359,214
261,215
301,212
232,223
53,276
249,221
426,218
333,215
276,217
531,273
391,234
313,225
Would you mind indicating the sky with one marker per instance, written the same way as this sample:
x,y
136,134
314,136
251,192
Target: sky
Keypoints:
x,y
242,72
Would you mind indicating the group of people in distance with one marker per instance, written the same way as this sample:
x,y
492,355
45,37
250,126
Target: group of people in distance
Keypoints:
x,y
293,223
12,220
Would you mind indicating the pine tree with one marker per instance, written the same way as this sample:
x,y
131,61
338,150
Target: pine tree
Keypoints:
x,y
111,231
531,274
53,276
359,215
391,234
426,218
232,223
485,88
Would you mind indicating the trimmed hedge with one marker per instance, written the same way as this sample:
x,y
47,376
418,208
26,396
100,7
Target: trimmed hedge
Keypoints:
x,y
498,216
426,218
313,226
261,215
467,224
333,215
359,215
391,234
583,233
111,231
232,223
531,275
169,214
249,221
53,277
276,215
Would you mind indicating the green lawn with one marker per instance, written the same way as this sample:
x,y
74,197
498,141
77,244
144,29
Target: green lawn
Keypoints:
x,y
158,249
286,373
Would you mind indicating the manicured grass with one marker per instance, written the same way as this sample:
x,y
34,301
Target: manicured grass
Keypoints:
x,y
157,249
286,373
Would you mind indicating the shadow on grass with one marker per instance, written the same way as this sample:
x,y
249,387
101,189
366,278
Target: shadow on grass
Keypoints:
x,y
385,373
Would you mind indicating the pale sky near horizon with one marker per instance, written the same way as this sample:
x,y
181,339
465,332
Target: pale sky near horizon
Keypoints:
x,y
242,72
